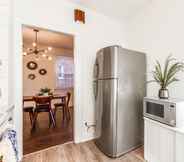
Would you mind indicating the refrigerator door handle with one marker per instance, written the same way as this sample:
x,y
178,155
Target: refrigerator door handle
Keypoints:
x,y
95,89
96,70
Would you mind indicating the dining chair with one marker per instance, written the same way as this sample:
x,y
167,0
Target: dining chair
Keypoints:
x,y
43,104
64,105
30,110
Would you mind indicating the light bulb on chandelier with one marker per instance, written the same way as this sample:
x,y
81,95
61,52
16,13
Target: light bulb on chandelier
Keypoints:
x,y
44,55
24,53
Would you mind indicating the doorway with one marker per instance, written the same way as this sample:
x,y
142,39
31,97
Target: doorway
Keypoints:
x,y
48,88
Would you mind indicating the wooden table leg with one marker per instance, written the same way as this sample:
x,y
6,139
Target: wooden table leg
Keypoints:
x,y
34,121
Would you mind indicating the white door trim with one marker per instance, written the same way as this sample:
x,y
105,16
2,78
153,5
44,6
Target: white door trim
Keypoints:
x,y
18,85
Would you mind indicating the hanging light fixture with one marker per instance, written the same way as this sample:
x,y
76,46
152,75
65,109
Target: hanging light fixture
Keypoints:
x,y
35,50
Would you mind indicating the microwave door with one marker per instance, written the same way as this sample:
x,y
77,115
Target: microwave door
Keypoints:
x,y
154,111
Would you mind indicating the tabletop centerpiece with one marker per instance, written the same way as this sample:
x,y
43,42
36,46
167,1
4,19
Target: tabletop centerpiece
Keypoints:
x,y
45,91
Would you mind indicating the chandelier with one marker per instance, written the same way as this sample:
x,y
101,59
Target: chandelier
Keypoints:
x,y
35,50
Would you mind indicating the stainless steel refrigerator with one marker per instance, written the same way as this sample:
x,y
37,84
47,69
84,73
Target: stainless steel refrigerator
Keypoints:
x,y
119,88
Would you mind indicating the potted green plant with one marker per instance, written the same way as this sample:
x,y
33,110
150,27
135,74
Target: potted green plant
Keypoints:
x,y
45,91
167,75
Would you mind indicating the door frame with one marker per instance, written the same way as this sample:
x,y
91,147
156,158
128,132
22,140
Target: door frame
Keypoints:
x,y
18,82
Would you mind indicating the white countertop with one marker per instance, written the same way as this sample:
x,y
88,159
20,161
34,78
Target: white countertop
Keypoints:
x,y
175,129
172,100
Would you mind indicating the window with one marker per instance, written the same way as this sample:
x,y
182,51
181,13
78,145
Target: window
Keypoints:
x,y
64,72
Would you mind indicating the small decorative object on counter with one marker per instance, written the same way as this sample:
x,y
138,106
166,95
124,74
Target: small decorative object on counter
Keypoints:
x,y
167,75
45,91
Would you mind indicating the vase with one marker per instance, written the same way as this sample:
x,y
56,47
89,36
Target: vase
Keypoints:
x,y
163,93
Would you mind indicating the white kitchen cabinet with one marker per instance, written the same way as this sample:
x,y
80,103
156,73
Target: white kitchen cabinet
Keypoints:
x,y
179,147
159,142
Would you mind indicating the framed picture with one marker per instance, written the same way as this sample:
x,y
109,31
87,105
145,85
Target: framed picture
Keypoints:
x,y
31,76
42,71
31,65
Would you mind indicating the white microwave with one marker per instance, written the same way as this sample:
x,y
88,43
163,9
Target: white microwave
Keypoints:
x,y
170,112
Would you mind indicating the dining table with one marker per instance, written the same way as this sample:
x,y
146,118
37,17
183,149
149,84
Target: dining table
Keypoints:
x,y
61,96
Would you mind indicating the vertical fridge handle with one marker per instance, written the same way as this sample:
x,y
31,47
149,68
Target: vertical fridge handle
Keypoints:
x,y
95,88
96,70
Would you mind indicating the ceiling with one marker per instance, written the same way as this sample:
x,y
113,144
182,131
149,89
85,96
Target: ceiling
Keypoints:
x,y
48,38
118,9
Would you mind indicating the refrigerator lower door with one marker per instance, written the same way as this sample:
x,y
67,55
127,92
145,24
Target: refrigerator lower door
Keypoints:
x,y
106,105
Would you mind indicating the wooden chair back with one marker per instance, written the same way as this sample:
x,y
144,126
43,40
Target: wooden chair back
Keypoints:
x,y
42,100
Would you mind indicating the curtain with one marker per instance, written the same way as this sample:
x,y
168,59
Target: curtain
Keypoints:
x,y
64,72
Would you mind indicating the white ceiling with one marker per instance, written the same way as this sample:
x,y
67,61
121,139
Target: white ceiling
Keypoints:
x,y
118,9
48,38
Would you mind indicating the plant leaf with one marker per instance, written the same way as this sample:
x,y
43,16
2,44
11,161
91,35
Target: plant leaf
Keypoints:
x,y
171,81
167,76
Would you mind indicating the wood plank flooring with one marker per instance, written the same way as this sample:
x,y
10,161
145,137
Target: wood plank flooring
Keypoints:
x,y
84,152
44,137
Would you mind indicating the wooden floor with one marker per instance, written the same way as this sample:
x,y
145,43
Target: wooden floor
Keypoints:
x,y
44,137
84,152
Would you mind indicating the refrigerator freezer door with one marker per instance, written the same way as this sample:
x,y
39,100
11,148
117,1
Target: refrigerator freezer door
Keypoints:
x,y
106,107
106,63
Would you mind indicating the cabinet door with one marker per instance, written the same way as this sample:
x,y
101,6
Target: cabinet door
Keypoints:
x,y
179,147
159,143
151,143
166,145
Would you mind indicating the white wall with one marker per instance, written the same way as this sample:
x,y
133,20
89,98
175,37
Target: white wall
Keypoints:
x,y
159,31
98,32
32,87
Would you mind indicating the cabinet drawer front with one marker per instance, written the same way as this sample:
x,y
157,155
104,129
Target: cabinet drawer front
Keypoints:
x,y
4,91
4,41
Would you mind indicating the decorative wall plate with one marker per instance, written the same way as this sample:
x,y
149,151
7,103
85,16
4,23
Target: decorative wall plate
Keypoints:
x,y
42,71
31,76
32,65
